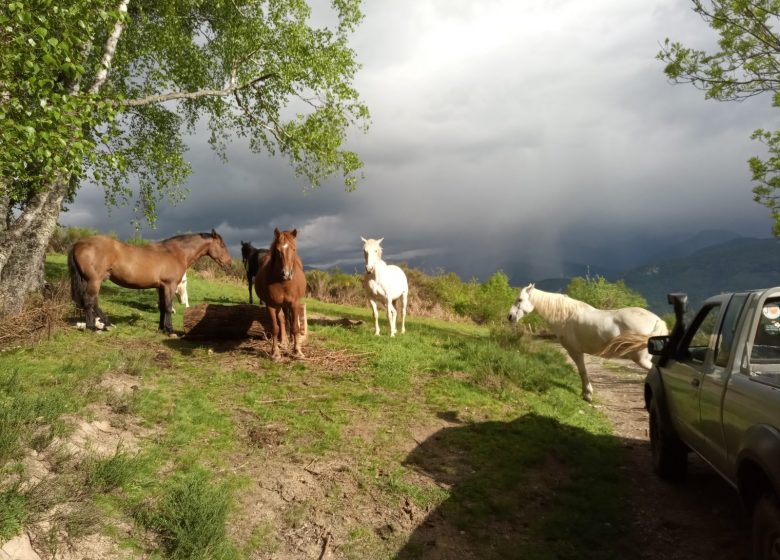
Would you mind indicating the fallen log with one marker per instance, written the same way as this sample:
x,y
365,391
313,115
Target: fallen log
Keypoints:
x,y
213,321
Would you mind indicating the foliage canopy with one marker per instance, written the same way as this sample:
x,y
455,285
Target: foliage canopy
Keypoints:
x,y
102,91
746,63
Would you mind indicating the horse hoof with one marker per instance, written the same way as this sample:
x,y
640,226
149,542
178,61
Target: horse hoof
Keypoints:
x,y
173,335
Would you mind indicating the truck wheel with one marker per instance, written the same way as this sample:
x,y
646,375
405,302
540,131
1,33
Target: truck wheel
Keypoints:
x,y
670,456
766,529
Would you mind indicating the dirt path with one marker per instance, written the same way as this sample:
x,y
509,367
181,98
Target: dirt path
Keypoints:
x,y
700,518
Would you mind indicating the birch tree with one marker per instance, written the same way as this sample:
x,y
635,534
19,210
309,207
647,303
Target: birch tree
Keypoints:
x,y
745,64
102,91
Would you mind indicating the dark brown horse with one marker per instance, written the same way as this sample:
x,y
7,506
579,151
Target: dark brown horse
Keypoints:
x,y
251,258
281,283
157,265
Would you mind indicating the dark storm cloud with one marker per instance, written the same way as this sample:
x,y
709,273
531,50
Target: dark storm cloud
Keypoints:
x,y
501,131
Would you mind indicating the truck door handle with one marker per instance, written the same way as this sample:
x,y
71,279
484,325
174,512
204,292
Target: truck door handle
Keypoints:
x,y
695,382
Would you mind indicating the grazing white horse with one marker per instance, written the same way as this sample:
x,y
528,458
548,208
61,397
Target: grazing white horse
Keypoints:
x,y
384,283
583,329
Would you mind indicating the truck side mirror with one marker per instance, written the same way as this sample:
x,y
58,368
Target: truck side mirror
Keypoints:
x,y
656,345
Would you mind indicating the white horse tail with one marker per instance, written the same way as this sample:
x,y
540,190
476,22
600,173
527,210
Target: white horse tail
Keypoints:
x,y
625,345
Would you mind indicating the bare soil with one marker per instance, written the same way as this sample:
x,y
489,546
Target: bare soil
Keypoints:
x,y
699,518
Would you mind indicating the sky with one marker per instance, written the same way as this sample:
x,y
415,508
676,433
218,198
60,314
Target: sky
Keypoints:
x,y
541,132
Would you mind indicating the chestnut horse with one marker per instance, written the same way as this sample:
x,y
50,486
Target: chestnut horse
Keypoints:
x,y
281,283
251,256
157,265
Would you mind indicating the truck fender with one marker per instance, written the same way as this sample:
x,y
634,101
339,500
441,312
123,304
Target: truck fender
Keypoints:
x,y
759,453
654,389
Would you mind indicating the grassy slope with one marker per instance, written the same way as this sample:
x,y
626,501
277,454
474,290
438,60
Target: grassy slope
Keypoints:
x,y
513,464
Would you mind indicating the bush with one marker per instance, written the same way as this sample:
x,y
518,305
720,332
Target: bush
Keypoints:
x,y
604,295
65,236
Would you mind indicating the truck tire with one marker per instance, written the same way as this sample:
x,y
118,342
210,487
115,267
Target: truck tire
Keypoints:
x,y
766,529
670,456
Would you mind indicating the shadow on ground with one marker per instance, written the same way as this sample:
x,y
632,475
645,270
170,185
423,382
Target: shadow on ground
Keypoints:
x,y
529,488
534,488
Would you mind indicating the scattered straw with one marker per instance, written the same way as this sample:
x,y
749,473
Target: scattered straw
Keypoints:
x,y
40,316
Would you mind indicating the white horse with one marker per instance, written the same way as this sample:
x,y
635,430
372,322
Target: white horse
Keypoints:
x,y
583,329
384,283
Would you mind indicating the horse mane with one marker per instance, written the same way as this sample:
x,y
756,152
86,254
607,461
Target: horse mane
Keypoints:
x,y
555,308
186,237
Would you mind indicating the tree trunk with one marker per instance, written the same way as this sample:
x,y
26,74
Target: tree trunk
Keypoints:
x,y
23,248
211,321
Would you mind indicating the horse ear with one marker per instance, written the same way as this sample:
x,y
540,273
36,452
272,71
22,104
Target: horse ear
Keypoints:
x,y
213,232
277,233
531,286
363,239
294,232
380,240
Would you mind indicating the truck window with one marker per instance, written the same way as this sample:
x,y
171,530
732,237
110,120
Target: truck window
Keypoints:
x,y
699,341
728,329
766,339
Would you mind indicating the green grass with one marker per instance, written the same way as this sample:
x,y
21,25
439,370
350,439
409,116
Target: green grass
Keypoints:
x,y
501,416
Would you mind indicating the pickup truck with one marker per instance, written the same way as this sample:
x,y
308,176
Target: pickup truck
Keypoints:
x,y
714,389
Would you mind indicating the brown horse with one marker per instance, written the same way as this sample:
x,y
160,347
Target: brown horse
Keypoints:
x,y
157,265
281,283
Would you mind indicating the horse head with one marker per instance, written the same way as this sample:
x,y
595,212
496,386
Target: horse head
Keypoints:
x,y
522,305
218,251
283,250
246,251
372,252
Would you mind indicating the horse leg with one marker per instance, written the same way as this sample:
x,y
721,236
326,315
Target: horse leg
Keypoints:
x,y
273,312
249,282
643,359
284,314
376,316
91,304
296,329
587,388
160,306
168,290
391,315
404,301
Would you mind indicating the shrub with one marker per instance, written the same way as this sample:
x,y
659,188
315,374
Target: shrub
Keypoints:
x,y
65,236
604,295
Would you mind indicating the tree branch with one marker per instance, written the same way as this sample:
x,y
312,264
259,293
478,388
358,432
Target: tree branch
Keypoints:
x,y
110,49
196,94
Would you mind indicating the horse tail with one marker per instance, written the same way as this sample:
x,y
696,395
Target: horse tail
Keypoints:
x,y
78,287
624,345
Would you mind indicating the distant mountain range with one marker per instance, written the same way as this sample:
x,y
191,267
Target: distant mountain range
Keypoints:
x,y
737,264
708,263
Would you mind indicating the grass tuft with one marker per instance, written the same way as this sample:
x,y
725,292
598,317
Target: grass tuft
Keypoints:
x,y
190,517
13,512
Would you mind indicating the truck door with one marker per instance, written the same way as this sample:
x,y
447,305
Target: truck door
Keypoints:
x,y
683,375
713,386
